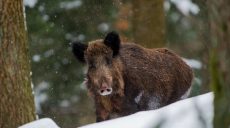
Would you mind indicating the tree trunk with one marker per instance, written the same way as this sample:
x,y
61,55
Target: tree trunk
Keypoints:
x,y
16,100
204,36
149,23
220,60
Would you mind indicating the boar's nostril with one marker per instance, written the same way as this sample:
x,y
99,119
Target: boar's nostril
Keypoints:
x,y
109,90
102,91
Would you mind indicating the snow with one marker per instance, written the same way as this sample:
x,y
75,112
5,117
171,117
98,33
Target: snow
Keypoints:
x,y
198,81
36,58
49,53
153,103
30,3
193,63
41,8
196,112
187,93
40,95
42,123
138,98
81,37
71,4
64,103
24,15
103,27
45,17
74,99
167,5
186,6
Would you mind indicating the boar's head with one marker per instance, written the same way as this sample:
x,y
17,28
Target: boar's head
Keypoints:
x,y
104,70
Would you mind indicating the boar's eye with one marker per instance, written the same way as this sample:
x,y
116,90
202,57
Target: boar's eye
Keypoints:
x,y
108,61
92,65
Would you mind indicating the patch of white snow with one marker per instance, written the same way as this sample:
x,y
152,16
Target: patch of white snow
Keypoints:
x,y
49,53
167,5
138,98
103,27
182,114
187,93
30,3
153,103
42,123
71,4
186,6
40,95
36,58
24,14
193,63
64,103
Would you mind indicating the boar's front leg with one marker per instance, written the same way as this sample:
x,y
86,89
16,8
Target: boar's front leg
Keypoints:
x,y
101,115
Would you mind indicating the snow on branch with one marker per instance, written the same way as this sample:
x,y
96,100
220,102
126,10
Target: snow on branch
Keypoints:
x,y
195,64
186,6
30,3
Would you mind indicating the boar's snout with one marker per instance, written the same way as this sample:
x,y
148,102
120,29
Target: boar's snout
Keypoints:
x,y
105,90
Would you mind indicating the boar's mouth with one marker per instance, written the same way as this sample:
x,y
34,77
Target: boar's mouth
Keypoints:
x,y
104,90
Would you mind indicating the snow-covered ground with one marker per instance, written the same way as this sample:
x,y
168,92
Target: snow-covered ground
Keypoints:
x,y
42,123
196,112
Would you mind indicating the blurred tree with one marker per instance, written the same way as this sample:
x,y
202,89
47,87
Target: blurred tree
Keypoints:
x,y
220,60
16,100
149,23
181,28
123,22
203,29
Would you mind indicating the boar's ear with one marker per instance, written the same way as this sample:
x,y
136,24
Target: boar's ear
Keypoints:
x,y
78,50
112,40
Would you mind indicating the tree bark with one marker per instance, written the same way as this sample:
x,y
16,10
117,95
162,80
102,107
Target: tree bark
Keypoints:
x,y
16,99
219,17
149,23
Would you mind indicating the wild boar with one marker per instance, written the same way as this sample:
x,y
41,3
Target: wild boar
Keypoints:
x,y
124,78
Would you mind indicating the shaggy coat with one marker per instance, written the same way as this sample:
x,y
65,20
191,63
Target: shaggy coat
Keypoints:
x,y
124,78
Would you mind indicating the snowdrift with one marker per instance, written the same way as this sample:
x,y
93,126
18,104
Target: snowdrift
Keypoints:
x,y
196,112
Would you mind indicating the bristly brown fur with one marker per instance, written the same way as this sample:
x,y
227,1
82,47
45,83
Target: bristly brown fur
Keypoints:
x,y
138,76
